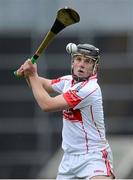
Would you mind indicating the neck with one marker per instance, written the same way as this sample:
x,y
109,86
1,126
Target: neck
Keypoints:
x,y
79,79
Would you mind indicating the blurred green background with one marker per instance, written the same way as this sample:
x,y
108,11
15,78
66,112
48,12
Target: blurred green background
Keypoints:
x,y
30,139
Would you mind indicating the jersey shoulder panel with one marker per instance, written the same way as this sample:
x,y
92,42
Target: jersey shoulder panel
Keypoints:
x,y
79,92
58,84
87,88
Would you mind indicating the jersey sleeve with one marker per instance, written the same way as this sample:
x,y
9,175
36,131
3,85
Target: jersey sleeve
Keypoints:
x,y
57,85
81,97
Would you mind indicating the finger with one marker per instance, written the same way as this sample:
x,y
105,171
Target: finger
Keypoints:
x,y
30,63
20,73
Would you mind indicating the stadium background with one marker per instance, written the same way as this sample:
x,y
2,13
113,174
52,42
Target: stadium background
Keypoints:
x,y
30,139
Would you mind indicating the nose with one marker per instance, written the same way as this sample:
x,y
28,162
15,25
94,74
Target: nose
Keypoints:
x,y
82,63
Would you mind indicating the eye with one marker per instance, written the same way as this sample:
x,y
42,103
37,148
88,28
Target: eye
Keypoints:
x,y
89,61
77,58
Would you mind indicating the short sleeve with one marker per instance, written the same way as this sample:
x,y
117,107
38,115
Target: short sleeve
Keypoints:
x,y
59,83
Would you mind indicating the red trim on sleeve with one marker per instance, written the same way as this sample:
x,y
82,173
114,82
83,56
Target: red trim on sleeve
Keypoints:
x,y
72,98
54,81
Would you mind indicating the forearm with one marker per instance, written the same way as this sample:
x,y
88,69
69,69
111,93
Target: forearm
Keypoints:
x,y
46,102
46,83
40,94
28,69
41,87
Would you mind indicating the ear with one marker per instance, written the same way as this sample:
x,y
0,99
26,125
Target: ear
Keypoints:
x,y
95,68
72,61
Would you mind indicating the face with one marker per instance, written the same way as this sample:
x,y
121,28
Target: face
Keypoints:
x,y
82,66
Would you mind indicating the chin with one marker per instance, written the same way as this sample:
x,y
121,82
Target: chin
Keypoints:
x,y
82,76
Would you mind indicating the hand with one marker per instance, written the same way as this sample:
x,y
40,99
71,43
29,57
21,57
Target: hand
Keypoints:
x,y
20,72
29,69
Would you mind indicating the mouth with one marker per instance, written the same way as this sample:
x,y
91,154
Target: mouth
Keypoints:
x,y
80,71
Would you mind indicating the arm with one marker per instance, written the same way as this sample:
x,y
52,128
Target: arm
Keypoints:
x,y
40,86
46,102
46,83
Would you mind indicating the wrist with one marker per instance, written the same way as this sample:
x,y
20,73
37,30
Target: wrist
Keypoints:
x,y
33,76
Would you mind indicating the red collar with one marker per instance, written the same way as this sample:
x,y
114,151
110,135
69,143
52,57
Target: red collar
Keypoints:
x,y
93,76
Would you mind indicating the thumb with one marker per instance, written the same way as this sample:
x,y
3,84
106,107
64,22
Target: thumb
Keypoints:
x,y
29,61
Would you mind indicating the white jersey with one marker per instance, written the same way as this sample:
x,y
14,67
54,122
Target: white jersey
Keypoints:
x,y
83,124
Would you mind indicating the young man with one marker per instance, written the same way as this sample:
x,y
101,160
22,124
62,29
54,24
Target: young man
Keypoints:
x,y
87,153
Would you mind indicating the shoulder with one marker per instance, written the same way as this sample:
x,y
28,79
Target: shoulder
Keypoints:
x,y
88,88
61,79
91,83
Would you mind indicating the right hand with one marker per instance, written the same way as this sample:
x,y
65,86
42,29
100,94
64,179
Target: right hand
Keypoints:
x,y
20,72
27,69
